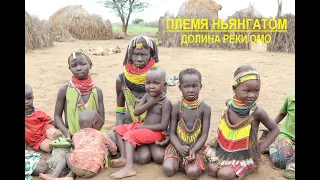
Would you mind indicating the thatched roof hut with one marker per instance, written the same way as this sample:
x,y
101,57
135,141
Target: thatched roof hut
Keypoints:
x,y
38,34
199,9
249,12
80,24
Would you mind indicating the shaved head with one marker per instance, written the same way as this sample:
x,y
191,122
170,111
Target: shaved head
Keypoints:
x,y
27,87
88,118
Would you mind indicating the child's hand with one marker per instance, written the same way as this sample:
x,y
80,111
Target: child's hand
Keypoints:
x,y
165,140
192,156
264,134
153,101
68,135
183,149
140,127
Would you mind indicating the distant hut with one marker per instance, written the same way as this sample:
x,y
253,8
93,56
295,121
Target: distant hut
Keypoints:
x,y
38,34
80,24
199,9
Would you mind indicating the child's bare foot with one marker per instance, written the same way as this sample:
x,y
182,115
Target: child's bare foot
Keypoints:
x,y
116,163
64,178
46,176
125,172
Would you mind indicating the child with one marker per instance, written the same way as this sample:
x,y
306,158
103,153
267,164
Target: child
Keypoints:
x,y
39,131
282,152
89,152
141,55
156,121
189,128
34,164
236,152
79,94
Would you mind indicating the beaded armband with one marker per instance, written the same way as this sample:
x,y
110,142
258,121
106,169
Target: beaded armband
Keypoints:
x,y
120,109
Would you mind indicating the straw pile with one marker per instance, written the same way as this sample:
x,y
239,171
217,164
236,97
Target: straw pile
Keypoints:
x,y
162,35
37,33
80,24
284,42
247,13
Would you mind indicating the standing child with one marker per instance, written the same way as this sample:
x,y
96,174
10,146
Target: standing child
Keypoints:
x,y
77,95
89,152
128,136
236,152
39,131
189,128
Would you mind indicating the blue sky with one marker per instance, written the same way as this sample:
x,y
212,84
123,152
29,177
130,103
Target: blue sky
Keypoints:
x,y
45,8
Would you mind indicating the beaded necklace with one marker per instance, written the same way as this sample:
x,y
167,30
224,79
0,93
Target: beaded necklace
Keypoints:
x,y
240,108
191,104
136,71
82,85
29,111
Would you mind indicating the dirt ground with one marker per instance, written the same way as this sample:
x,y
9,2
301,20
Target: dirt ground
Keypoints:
x,y
47,70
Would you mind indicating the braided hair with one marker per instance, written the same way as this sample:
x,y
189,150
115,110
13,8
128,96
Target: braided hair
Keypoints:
x,y
147,42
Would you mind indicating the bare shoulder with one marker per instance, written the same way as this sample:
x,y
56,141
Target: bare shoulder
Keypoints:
x,y
176,107
260,113
118,81
205,106
99,91
63,88
167,100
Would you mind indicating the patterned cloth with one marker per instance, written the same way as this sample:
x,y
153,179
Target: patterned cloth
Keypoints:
x,y
138,136
90,149
31,162
282,152
232,147
284,149
36,125
187,137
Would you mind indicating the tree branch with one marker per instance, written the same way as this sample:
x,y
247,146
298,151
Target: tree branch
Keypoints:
x,y
124,9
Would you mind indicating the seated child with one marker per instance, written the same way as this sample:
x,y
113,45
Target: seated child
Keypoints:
x,y
39,131
236,152
34,164
89,151
282,152
58,154
189,128
128,136
79,94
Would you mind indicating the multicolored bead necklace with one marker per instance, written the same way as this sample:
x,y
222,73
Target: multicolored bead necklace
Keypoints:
x,y
135,77
240,108
191,104
29,111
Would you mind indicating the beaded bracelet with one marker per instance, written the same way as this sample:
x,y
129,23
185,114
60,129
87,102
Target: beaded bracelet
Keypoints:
x,y
120,109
